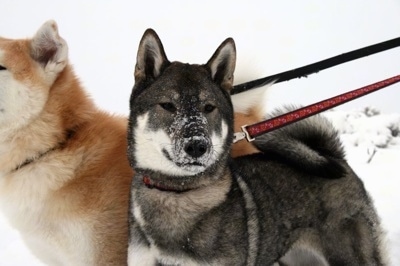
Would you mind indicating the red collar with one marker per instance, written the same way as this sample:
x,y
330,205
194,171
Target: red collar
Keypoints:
x,y
151,184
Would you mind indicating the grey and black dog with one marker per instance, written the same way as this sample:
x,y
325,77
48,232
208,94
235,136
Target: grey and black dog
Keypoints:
x,y
296,202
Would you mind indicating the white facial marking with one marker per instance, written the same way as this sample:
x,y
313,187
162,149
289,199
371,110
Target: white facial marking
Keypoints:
x,y
219,141
149,146
18,103
151,143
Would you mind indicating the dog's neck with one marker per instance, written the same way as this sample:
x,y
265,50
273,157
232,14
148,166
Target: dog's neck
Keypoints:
x,y
68,135
151,184
51,129
179,184
156,203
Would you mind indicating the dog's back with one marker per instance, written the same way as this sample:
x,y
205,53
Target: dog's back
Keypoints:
x,y
314,208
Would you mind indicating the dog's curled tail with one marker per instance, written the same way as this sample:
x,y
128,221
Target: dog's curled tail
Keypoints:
x,y
312,145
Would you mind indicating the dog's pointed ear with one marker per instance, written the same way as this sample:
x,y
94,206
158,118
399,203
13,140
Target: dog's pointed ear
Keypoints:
x,y
151,59
49,49
222,64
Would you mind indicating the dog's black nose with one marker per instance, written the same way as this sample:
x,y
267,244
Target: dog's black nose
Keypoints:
x,y
196,148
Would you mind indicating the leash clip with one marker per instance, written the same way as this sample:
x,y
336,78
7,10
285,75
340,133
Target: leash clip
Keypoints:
x,y
242,135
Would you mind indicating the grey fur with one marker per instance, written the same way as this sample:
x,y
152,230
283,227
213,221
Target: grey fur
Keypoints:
x,y
296,202
311,144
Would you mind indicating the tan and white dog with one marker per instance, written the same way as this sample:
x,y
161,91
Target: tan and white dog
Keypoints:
x,y
64,176
64,173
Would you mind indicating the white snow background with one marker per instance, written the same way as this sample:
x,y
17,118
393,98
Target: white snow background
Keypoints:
x,y
271,36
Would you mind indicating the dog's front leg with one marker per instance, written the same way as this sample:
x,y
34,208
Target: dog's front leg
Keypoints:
x,y
139,249
139,254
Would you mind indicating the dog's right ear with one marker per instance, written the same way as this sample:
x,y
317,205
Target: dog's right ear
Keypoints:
x,y
222,64
151,59
49,49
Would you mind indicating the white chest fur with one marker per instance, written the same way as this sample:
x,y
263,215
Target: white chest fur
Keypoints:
x,y
47,222
140,255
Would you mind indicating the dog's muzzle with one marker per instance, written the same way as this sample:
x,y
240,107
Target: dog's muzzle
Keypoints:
x,y
193,151
192,145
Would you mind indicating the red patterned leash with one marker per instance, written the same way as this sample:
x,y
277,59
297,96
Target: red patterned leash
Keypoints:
x,y
252,131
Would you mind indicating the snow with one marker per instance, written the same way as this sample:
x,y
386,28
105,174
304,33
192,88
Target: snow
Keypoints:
x,y
372,143
270,37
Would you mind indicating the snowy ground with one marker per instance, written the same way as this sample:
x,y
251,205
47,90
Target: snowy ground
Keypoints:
x,y
372,143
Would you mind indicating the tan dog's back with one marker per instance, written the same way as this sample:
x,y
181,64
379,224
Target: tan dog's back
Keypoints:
x,y
249,109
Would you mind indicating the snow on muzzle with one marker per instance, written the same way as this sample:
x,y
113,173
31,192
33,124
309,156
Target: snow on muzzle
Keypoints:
x,y
192,143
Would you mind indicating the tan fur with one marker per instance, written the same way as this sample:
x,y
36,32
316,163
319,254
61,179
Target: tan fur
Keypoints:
x,y
64,173
79,189
244,147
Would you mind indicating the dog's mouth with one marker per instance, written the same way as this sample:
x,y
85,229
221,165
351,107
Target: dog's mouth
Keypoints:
x,y
186,162
161,186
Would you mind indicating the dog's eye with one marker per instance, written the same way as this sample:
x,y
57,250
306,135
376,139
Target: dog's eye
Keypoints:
x,y
2,68
170,107
208,108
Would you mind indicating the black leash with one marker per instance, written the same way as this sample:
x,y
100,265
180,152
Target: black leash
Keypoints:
x,y
318,66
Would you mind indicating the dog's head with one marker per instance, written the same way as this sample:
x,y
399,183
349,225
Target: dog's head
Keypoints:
x,y
28,68
181,115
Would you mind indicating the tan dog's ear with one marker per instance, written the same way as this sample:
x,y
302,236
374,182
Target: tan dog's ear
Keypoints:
x,y
49,49
222,64
151,59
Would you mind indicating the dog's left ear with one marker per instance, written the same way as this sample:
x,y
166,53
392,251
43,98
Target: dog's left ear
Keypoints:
x,y
151,59
49,49
222,64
